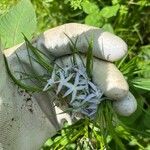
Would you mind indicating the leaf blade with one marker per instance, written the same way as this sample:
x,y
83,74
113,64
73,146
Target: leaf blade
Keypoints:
x,y
20,19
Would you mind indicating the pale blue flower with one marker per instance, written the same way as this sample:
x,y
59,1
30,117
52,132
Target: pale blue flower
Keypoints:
x,y
95,90
63,81
78,104
82,71
89,111
74,88
51,81
85,95
67,70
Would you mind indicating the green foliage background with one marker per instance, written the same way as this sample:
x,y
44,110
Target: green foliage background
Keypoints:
x,y
17,21
128,19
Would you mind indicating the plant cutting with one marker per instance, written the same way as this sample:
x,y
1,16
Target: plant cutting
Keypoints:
x,y
74,82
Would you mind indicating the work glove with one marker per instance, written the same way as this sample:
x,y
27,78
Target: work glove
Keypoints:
x,y
28,119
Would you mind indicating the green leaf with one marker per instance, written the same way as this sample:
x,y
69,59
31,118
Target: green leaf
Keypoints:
x,y
20,84
89,7
74,3
110,11
89,59
108,27
20,19
94,20
49,142
141,83
114,2
145,52
146,119
39,56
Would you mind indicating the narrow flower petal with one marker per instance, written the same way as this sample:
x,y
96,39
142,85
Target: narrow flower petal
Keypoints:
x,y
69,90
73,96
63,81
89,97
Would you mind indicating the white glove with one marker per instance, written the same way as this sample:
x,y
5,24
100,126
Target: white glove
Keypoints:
x,y
26,120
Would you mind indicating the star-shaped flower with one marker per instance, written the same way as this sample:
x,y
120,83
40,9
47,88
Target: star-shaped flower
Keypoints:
x,y
82,71
51,81
85,95
73,88
98,93
63,81
89,111
77,104
89,97
67,70
81,97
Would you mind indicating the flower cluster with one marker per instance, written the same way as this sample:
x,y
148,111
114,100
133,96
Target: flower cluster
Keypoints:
x,y
74,82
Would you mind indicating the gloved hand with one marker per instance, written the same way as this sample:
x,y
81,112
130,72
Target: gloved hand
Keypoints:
x,y
27,120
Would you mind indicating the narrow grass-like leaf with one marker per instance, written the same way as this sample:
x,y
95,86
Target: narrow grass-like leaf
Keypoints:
x,y
74,137
42,61
120,63
32,76
110,127
128,68
74,50
141,83
89,59
20,84
23,68
71,134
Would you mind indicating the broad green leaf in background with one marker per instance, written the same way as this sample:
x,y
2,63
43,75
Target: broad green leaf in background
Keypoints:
x,y
114,2
20,19
108,27
89,7
94,20
110,11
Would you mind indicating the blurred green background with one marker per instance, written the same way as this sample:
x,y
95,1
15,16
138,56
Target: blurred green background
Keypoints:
x,y
129,19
